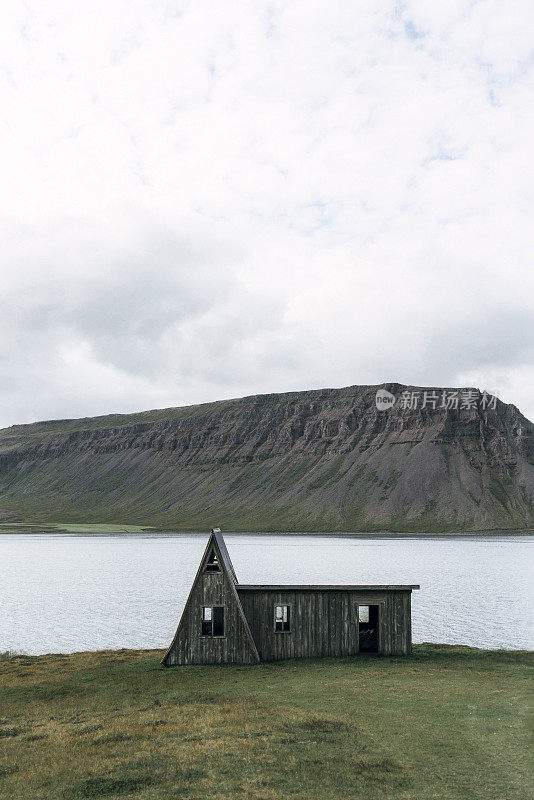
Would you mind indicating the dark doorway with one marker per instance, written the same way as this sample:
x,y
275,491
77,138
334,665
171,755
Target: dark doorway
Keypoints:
x,y
368,619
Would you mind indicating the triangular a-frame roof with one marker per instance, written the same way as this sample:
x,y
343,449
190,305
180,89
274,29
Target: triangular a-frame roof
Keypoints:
x,y
217,538
217,546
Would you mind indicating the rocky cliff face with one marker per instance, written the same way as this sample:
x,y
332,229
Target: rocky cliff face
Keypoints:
x,y
318,460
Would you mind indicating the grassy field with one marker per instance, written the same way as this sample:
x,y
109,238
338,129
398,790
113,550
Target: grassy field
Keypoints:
x,y
449,722
69,527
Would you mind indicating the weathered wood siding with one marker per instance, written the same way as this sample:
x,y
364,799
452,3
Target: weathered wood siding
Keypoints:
x,y
190,647
323,619
395,624
325,623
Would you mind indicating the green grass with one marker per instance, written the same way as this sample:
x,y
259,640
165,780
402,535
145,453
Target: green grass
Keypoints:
x,y
391,483
331,473
499,492
69,527
447,723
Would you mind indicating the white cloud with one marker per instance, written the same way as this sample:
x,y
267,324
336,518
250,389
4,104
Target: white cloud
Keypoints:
x,y
202,200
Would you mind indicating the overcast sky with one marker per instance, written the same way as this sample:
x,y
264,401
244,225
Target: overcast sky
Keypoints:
x,y
202,200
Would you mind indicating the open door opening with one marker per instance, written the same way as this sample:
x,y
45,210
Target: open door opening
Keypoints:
x,y
368,628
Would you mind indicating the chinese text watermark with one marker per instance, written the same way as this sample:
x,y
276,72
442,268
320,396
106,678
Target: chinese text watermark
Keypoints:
x,y
448,399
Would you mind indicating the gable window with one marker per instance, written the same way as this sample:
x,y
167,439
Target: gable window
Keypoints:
x,y
282,619
213,621
212,564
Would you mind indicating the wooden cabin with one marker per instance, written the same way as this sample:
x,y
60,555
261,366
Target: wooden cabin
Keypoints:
x,y
227,622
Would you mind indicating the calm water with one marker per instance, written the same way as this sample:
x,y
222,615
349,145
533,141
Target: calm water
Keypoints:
x,y
62,593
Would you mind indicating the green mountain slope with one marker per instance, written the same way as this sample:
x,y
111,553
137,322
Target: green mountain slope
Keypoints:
x,y
318,460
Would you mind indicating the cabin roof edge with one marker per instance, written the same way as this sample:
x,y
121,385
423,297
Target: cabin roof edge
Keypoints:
x,y
216,534
339,587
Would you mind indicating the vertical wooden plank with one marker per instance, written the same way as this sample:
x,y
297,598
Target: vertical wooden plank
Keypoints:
x,y
354,626
331,631
396,629
275,636
312,628
311,605
334,622
325,621
260,628
267,618
348,628
409,622
295,633
326,628
298,625
319,625
340,615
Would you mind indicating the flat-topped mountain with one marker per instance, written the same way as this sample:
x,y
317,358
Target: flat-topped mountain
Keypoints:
x,y
325,460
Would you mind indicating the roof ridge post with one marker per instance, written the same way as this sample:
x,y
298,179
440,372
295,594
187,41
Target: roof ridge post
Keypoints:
x,y
217,537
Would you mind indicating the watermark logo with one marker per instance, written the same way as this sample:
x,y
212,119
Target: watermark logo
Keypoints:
x,y
457,399
384,400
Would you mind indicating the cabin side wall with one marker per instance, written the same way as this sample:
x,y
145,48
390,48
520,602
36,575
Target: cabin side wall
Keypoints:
x,y
395,624
190,647
325,623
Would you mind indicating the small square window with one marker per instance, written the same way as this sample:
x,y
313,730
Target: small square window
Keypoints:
x,y
282,619
363,613
213,621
